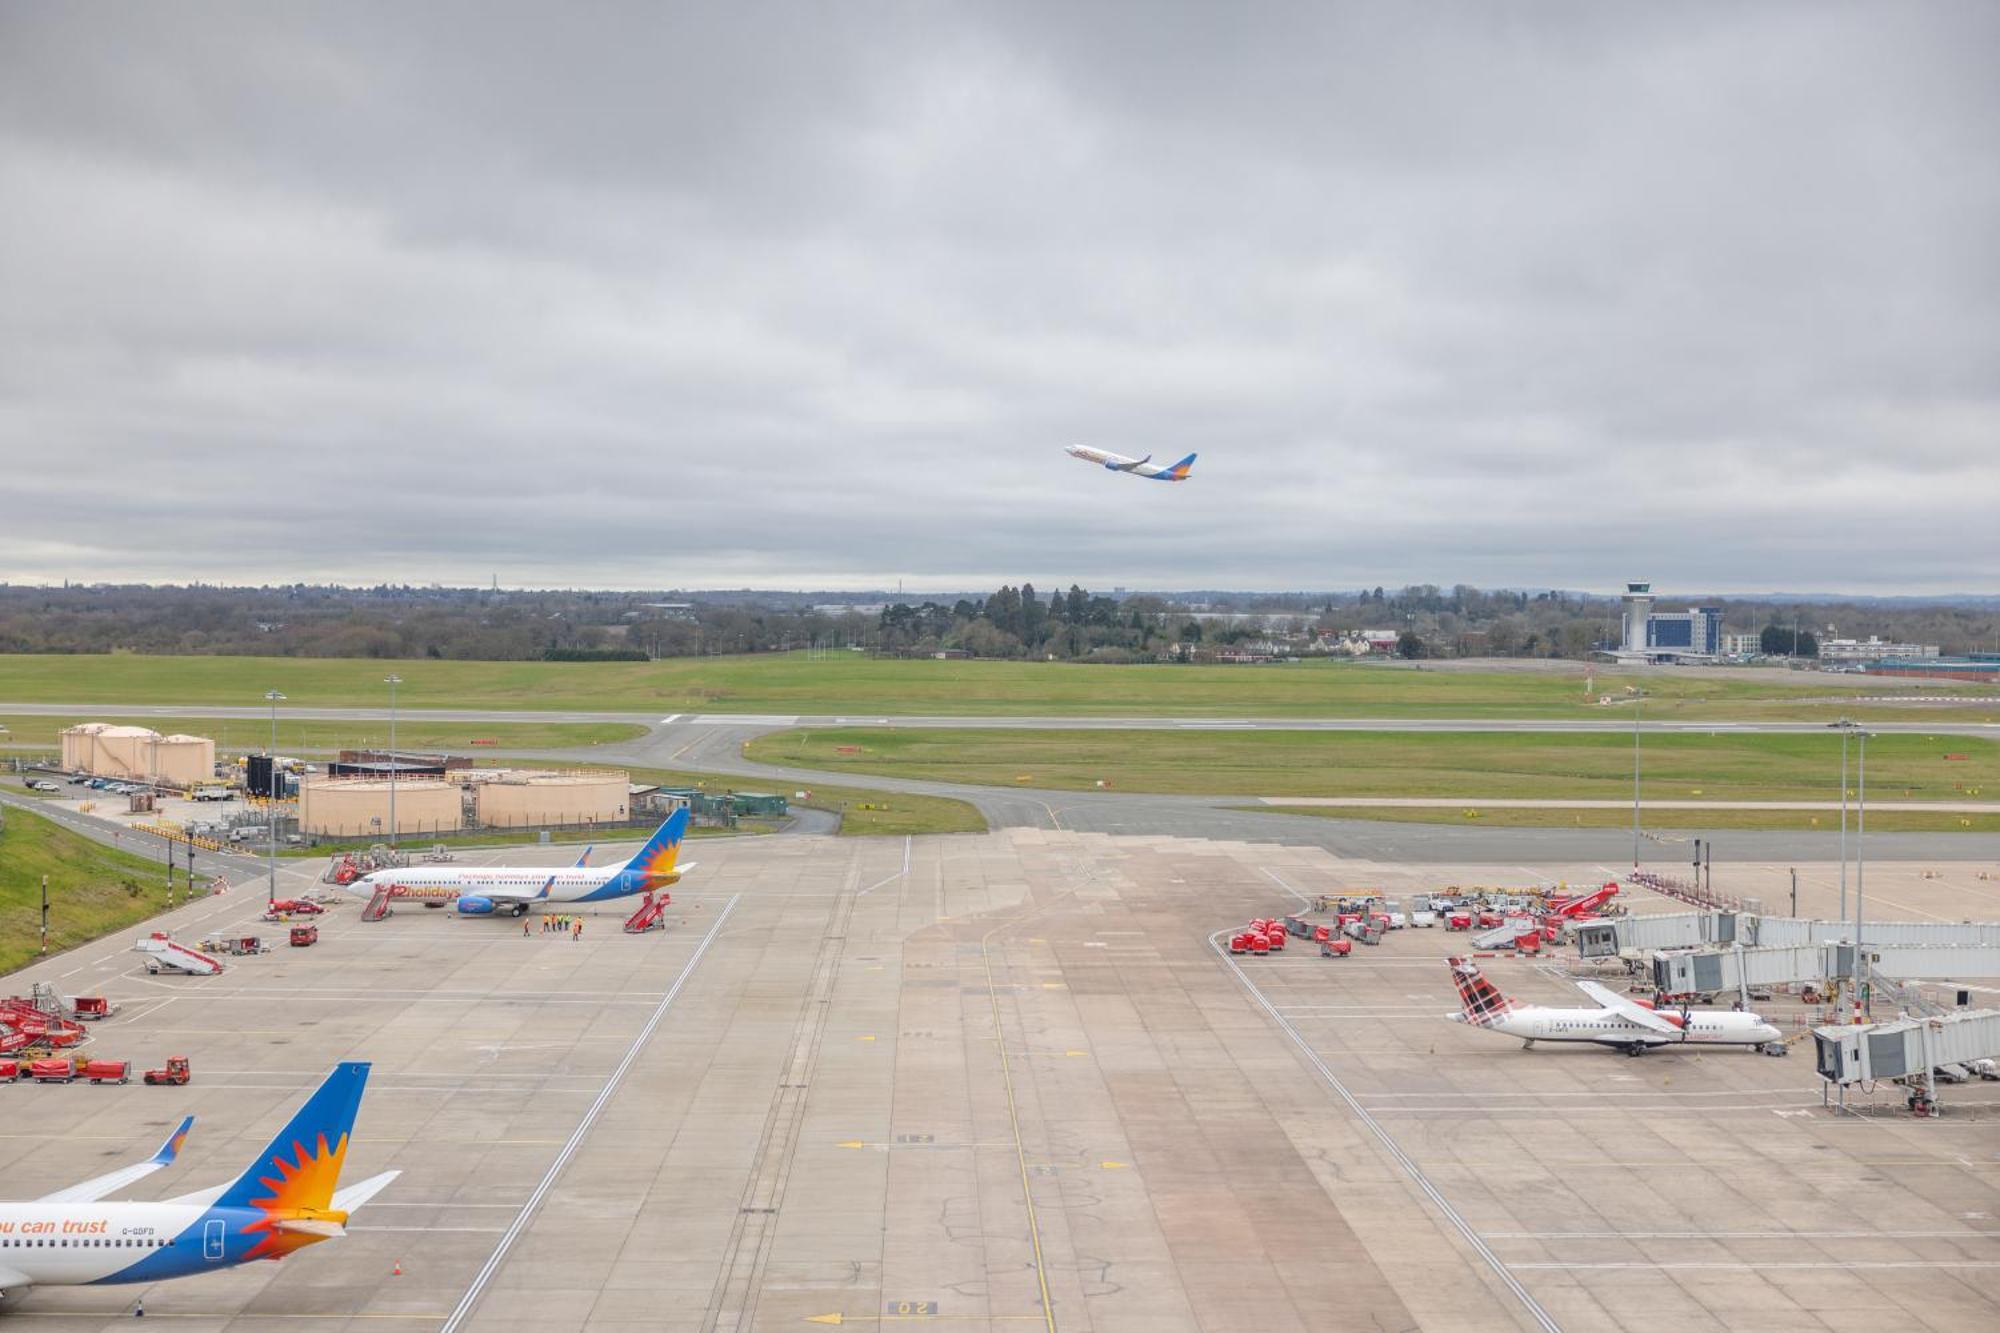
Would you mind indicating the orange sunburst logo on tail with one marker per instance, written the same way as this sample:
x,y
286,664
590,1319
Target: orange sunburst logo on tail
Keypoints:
x,y
302,1191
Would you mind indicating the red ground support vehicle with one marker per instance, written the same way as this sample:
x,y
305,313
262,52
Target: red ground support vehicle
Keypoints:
x,y
1488,920
1239,942
175,1074
301,906
106,1071
57,1070
1260,943
1275,937
93,1006
10,1069
304,935
1458,921
1335,948
1321,934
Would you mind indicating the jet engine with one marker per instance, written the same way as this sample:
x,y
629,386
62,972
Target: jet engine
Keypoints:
x,y
472,904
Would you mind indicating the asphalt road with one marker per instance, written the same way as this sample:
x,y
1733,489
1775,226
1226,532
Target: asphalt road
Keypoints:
x,y
713,743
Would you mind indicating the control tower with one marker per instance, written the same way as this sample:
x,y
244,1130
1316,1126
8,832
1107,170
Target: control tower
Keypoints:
x,y
1638,605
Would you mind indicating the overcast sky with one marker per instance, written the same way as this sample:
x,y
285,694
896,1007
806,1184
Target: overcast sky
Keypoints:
x,y
814,295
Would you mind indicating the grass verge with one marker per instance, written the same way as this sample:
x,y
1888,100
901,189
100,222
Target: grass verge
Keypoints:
x,y
304,735
93,889
1722,765
792,683
1888,821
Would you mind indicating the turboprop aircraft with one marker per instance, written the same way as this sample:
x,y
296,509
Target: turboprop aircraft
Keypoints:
x,y
487,890
1138,467
285,1200
1632,1026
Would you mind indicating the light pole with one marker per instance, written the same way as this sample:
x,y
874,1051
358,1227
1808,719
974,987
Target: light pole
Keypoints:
x,y
1860,854
1845,726
271,809
392,681
1637,700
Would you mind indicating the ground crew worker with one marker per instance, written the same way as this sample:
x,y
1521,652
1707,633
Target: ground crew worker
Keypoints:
x,y
577,934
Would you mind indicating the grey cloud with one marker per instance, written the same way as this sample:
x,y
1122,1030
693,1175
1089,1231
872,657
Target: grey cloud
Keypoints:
x,y
643,295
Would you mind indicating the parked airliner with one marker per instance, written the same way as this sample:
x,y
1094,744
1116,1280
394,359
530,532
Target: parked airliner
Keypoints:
x,y
486,890
1138,467
287,1199
1633,1026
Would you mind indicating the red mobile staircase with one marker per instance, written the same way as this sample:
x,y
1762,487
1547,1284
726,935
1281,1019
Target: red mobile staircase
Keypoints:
x,y
652,913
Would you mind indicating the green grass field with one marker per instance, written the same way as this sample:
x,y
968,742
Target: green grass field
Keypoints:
x,y
93,890
852,683
307,736
1721,766
1894,821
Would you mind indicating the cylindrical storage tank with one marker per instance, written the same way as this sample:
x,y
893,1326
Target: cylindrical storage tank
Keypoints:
x,y
79,746
359,807
123,752
529,800
185,761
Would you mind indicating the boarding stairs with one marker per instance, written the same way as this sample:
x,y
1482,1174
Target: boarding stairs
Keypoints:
x,y
1503,935
25,1023
652,913
162,952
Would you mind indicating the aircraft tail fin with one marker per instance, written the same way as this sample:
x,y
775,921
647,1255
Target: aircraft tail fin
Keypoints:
x,y
300,1168
1180,470
1481,999
656,859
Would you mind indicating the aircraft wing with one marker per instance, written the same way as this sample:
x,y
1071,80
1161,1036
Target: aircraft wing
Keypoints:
x,y
99,1186
1623,1006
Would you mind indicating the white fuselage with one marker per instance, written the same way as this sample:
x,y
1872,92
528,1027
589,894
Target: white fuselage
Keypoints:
x,y
65,1244
1607,1027
506,883
1117,462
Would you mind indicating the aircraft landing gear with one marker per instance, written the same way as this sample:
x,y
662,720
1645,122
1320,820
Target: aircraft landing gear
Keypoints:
x,y
520,909
1636,1049
1527,1043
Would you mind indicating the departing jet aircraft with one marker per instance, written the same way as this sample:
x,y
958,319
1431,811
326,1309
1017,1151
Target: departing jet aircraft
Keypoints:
x,y
486,890
1632,1026
285,1200
1138,467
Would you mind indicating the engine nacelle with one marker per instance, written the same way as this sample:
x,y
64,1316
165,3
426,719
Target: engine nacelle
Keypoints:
x,y
472,904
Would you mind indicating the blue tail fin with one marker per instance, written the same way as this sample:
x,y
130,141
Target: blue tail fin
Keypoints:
x,y
1180,470
300,1167
658,855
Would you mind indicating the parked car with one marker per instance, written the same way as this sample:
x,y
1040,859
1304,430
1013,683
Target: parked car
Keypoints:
x,y
40,784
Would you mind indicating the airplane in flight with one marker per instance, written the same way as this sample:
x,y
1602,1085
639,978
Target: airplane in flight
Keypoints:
x,y
1138,467
513,890
285,1200
1630,1025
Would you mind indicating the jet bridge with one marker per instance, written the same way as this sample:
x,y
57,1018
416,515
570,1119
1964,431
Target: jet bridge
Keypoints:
x,y
1692,930
1706,971
1909,1049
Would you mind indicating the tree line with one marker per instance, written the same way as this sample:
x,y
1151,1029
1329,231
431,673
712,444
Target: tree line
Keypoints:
x,y
1013,621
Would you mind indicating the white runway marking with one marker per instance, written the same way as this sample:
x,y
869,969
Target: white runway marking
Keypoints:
x,y
1273,876
583,1128
1410,1168
670,719
893,878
